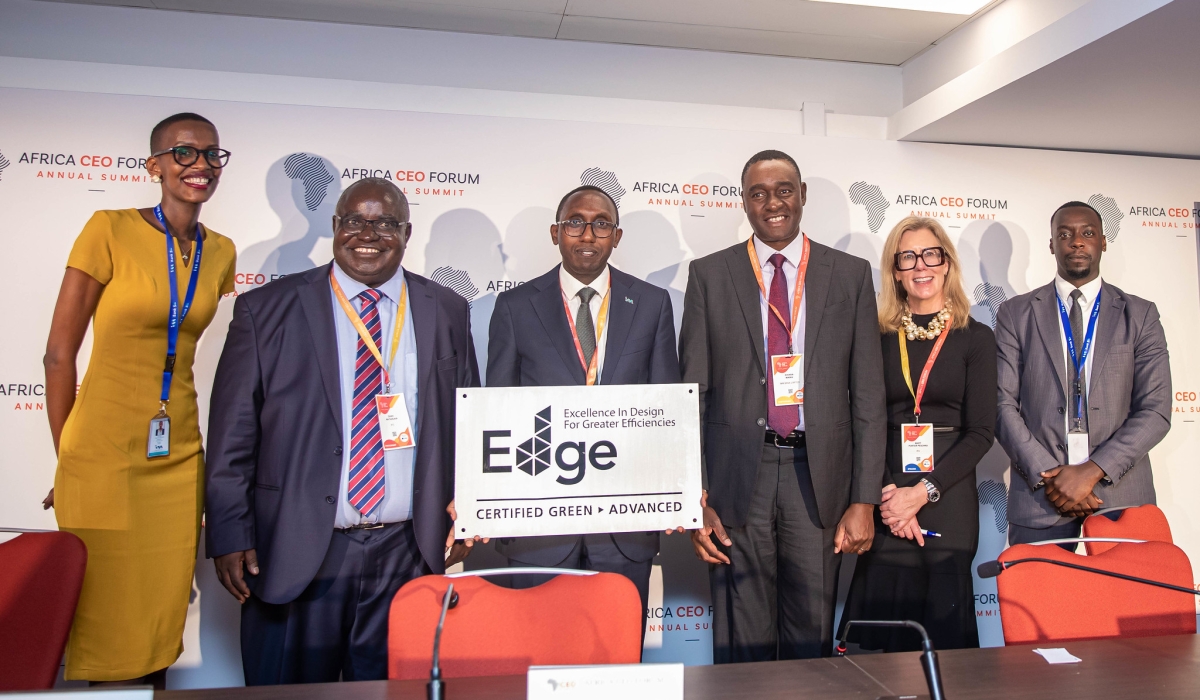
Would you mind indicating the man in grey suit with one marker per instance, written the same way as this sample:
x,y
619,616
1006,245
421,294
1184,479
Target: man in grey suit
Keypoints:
x,y
1078,439
788,487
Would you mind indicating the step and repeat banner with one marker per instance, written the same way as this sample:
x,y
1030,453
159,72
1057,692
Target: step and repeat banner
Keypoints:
x,y
483,192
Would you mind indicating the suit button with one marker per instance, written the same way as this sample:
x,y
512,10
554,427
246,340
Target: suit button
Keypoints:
x,y
1060,447
762,380
329,499
1060,410
761,422
338,450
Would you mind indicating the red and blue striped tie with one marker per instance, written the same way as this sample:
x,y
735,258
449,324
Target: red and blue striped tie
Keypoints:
x,y
365,490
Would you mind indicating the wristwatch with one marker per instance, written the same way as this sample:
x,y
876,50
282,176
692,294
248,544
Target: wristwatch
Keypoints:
x,y
934,494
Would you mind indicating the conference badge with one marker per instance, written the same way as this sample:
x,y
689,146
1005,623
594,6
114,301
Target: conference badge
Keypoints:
x,y
787,379
916,447
394,425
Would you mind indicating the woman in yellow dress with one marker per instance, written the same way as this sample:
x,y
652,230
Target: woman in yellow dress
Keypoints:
x,y
129,483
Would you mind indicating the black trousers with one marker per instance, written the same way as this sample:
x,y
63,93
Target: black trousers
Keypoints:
x,y
338,627
1019,534
775,600
596,552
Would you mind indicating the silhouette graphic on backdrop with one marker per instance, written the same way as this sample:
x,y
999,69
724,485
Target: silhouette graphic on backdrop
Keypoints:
x,y
605,180
311,171
994,494
303,190
1110,215
528,251
3,164
988,247
871,198
464,253
650,251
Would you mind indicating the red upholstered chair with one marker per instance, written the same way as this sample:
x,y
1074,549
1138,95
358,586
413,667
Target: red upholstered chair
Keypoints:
x,y
40,577
1047,603
570,619
1146,523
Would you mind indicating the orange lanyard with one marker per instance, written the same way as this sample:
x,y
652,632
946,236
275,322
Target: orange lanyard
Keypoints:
x,y
797,295
365,335
937,347
601,320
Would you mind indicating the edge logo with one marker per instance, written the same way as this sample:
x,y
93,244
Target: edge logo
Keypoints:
x,y
3,164
533,455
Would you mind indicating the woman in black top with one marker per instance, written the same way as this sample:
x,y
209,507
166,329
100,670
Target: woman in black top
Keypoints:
x,y
907,575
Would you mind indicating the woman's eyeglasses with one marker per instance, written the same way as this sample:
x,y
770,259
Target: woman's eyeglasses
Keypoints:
x,y
187,155
933,257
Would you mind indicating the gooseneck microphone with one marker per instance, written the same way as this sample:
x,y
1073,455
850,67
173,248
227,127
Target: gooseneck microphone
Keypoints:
x,y
436,688
992,569
929,662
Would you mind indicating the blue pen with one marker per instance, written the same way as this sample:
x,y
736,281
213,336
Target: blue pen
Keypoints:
x,y
930,533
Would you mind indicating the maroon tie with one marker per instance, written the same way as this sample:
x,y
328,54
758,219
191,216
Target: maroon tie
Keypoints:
x,y
782,419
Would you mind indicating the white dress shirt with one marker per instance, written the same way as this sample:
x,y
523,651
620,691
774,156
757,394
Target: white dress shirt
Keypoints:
x,y
791,255
398,464
1090,291
570,291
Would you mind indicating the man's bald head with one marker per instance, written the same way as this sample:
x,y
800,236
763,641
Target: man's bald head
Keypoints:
x,y
377,188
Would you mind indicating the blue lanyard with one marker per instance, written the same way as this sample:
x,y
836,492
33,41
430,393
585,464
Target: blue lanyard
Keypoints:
x,y
1081,363
177,316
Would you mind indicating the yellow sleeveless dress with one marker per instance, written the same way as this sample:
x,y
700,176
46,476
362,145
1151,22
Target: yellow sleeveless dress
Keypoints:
x,y
139,517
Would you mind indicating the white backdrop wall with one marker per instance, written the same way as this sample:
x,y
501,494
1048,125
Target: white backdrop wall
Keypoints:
x,y
483,190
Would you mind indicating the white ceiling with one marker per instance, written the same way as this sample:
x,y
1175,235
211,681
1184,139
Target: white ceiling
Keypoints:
x,y
1134,90
796,28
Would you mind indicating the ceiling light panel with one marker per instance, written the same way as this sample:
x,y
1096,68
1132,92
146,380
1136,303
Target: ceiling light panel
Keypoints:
x,y
951,7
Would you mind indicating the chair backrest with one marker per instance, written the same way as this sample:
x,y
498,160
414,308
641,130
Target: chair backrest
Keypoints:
x,y
1139,523
501,631
40,577
1047,603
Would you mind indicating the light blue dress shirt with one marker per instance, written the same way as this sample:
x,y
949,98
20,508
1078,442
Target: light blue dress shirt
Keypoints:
x,y
398,464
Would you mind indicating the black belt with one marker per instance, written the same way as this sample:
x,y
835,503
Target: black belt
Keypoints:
x,y
793,439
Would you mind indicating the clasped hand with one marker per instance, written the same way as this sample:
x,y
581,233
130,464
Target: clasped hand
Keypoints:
x,y
899,510
1069,488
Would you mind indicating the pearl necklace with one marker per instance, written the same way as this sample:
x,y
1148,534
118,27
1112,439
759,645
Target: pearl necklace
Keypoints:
x,y
914,332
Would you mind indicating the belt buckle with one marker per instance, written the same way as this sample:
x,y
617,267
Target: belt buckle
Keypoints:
x,y
776,441
370,526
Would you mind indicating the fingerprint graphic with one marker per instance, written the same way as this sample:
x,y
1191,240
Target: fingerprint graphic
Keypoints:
x,y
1110,214
872,199
457,280
3,164
311,171
994,494
990,297
605,180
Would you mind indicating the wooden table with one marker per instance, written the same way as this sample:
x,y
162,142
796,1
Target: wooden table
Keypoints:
x,y
1147,668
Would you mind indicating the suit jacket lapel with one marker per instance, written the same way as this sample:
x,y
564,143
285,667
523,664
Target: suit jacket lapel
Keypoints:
x,y
620,320
318,310
548,305
1106,326
816,291
1046,315
425,317
745,286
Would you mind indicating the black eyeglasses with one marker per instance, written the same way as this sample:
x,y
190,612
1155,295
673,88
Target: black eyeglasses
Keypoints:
x,y
188,155
384,228
576,227
933,257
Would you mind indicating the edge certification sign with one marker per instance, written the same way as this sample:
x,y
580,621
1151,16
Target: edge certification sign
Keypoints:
x,y
570,460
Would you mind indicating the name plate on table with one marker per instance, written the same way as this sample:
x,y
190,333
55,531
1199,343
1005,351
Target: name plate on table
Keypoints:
x,y
626,681
572,460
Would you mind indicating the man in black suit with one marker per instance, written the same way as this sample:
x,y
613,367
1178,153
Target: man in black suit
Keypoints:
x,y
329,507
584,322
789,487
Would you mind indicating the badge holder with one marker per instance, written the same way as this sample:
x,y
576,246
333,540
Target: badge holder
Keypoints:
x,y
158,444
787,379
916,446
394,426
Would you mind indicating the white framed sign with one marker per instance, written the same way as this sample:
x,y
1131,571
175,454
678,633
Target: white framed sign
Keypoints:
x,y
570,460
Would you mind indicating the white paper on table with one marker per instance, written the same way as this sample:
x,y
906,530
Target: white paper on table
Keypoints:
x,y
1057,656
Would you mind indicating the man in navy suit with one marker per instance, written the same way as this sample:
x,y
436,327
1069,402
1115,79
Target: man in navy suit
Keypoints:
x,y
583,322
331,447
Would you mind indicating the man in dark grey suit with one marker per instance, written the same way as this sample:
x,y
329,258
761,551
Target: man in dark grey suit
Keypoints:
x,y
314,521
620,330
1078,442
788,487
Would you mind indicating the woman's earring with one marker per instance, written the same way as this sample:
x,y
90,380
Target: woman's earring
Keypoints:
x,y
155,179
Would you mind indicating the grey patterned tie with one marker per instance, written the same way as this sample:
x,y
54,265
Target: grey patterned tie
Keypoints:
x,y
1079,385
583,324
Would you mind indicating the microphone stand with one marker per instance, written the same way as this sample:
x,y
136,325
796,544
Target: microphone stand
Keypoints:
x,y
436,688
929,661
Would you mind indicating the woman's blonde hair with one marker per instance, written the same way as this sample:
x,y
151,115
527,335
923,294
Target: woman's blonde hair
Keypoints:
x,y
893,298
